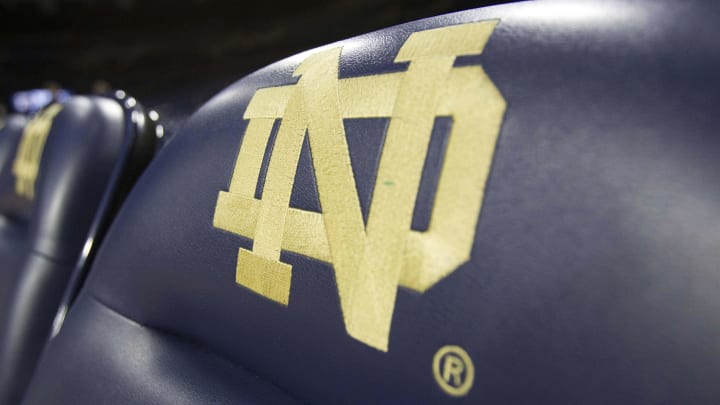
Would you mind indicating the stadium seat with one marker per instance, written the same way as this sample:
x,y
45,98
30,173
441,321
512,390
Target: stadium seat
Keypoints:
x,y
10,133
10,203
516,204
63,173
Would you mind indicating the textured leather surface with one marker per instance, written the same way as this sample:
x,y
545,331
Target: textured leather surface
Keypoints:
x,y
594,271
38,253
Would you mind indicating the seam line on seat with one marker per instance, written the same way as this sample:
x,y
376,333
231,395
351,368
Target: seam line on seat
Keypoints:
x,y
190,342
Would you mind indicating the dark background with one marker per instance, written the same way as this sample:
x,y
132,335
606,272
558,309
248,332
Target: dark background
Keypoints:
x,y
174,55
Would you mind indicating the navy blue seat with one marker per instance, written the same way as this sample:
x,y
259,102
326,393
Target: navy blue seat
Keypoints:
x,y
517,204
10,132
63,173
10,135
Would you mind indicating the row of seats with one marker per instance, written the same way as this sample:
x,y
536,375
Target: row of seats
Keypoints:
x,y
516,204
63,175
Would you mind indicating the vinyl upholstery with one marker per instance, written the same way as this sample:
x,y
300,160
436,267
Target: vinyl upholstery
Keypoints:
x,y
594,268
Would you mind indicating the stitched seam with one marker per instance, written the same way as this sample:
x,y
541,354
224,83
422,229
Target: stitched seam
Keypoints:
x,y
193,343
50,258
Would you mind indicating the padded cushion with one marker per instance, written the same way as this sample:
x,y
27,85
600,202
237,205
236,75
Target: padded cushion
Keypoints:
x,y
592,274
87,140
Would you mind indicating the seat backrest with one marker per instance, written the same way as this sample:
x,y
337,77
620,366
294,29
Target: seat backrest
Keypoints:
x,y
516,204
10,203
56,185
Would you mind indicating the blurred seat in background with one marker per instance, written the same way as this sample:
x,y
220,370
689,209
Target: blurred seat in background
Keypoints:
x,y
10,203
63,174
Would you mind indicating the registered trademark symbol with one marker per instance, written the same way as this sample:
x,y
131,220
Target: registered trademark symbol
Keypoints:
x,y
453,370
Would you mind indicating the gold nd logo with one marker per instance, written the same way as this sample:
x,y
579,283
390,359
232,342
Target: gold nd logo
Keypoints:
x,y
370,262
27,159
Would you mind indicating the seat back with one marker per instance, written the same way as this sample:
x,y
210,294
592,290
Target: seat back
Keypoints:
x,y
516,204
11,204
58,185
